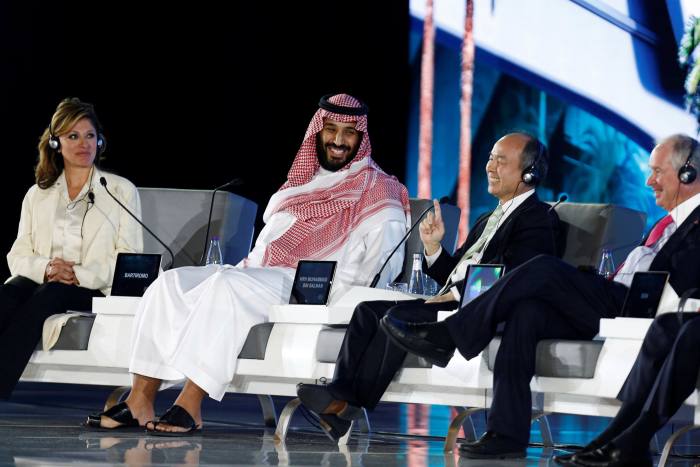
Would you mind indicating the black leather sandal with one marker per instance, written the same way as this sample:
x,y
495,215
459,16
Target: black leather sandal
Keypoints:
x,y
120,413
174,416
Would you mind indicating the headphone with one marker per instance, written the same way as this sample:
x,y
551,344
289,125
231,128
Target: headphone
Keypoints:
x,y
531,175
55,143
687,174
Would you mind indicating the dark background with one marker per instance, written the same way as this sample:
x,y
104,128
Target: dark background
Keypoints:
x,y
192,96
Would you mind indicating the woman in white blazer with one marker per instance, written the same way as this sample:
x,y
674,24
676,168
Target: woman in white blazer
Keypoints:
x,y
70,232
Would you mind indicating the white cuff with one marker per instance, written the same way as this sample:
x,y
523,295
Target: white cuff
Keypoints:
x,y
455,293
432,258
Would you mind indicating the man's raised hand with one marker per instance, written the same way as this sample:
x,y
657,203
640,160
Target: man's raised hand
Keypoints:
x,y
432,230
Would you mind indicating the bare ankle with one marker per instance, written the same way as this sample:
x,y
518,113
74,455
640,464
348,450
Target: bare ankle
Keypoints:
x,y
140,407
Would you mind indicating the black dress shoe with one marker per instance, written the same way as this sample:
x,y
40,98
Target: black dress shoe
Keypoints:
x,y
567,459
333,426
491,445
318,399
610,456
411,337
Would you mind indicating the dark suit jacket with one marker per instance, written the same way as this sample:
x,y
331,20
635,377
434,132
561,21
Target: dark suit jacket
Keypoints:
x,y
530,230
680,256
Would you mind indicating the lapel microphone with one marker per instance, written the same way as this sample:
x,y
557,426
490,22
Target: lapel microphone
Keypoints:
x,y
90,203
103,182
234,182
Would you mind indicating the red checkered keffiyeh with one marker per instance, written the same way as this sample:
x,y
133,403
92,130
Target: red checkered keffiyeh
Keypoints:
x,y
326,216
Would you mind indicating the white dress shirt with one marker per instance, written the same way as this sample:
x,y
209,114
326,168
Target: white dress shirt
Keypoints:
x,y
640,258
67,237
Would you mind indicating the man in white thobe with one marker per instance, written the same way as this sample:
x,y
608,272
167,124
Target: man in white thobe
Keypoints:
x,y
337,204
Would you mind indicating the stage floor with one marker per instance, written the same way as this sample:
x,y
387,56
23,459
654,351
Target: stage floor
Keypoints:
x,y
41,426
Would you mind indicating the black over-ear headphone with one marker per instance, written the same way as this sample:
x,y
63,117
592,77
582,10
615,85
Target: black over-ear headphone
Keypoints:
x,y
531,174
55,143
687,174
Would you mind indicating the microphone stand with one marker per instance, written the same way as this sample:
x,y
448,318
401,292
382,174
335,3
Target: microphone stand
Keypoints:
x,y
234,182
681,303
556,249
561,199
103,182
376,277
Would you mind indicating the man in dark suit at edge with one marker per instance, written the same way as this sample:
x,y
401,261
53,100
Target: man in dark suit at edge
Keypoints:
x,y
520,228
666,370
546,298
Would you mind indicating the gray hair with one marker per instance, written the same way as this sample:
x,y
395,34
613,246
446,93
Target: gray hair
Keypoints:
x,y
681,146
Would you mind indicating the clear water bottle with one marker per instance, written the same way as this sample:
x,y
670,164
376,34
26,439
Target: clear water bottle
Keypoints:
x,y
214,252
606,268
417,283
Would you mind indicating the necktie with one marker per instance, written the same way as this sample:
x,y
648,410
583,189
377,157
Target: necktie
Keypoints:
x,y
655,236
491,225
658,230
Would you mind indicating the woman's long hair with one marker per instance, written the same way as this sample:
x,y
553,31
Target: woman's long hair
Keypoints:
x,y
67,114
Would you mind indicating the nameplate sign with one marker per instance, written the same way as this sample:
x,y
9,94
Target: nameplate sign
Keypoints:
x,y
312,282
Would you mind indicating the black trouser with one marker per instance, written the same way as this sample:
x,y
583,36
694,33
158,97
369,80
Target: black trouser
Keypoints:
x,y
544,298
368,360
664,374
24,306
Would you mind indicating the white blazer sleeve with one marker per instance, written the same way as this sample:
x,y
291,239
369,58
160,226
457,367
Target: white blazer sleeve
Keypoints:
x,y
22,259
